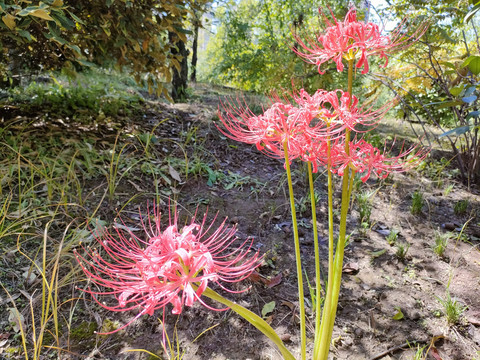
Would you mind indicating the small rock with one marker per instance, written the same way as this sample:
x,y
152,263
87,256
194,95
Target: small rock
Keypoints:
x,y
348,341
474,318
358,333
365,286
415,316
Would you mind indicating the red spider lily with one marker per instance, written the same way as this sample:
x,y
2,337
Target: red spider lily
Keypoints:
x,y
317,118
282,123
366,159
165,267
352,39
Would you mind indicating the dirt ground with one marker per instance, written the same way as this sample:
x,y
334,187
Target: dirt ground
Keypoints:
x,y
389,304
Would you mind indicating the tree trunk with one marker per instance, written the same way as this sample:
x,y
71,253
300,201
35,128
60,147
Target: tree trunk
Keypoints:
x,y
179,78
193,75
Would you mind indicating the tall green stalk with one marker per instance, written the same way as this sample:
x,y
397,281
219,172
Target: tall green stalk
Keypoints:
x,y
318,294
319,329
298,259
322,346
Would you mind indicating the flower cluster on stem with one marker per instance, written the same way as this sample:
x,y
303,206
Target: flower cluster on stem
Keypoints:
x,y
318,129
171,266
355,40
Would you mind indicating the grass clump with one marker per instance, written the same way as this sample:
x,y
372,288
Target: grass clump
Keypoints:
x,y
364,201
402,250
460,207
452,309
441,241
417,203
392,237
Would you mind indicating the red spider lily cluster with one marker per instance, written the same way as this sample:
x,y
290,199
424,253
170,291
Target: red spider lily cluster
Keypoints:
x,y
353,39
173,266
314,128
311,126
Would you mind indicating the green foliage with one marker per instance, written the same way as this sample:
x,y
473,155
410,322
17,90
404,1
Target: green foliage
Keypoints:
x,y
439,76
364,201
441,241
255,52
460,207
93,93
23,23
133,35
392,237
419,353
402,250
417,203
452,309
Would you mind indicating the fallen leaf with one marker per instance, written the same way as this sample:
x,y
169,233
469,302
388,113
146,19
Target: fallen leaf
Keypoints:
x,y
274,281
399,315
125,227
27,295
351,268
474,318
138,188
285,337
268,308
29,276
378,253
256,278
288,304
7,299
174,174
16,319
435,354
383,232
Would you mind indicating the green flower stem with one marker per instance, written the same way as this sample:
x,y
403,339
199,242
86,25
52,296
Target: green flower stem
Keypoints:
x,y
253,319
322,348
350,80
298,259
330,312
318,294
327,304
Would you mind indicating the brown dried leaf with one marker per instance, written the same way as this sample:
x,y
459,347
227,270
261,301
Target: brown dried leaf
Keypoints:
x,y
435,354
174,174
274,281
256,278
9,20
351,268
16,319
289,304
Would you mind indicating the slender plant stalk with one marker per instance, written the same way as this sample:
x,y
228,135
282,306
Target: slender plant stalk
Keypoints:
x,y
318,289
253,319
333,291
298,259
319,329
19,185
